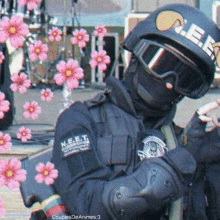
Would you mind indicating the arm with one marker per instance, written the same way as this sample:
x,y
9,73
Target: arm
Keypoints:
x,y
86,186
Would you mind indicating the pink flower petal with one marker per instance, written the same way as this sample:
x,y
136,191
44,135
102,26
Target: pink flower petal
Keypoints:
x,y
72,83
40,167
13,184
39,178
49,180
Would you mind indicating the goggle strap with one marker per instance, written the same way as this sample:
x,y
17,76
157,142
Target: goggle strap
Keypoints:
x,y
139,48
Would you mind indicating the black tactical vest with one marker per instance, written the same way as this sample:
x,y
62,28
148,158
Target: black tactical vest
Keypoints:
x,y
117,134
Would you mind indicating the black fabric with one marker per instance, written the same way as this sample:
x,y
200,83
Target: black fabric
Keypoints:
x,y
212,174
124,95
147,190
5,82
113,133
82,192
108,125
204,146
148,94
38,215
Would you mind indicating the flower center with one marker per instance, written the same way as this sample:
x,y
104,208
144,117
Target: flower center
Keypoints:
x,y
31,109
79,37
99,59
54,33
46,94
45,172
23,133
37,50
68,73
20,82
1,142
9,173
12,30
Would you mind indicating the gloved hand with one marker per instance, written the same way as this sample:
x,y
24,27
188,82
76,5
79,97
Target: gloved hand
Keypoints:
x,y
203,145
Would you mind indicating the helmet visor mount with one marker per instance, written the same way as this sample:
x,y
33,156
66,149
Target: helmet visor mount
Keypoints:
x,y
161,61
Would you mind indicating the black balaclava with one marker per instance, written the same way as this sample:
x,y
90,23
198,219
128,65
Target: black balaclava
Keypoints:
x,y
151,97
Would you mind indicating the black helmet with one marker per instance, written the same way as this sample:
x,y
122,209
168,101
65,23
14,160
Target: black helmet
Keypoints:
x,y
182,28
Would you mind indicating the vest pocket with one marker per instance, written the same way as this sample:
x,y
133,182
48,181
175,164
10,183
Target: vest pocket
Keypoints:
x,y
113,149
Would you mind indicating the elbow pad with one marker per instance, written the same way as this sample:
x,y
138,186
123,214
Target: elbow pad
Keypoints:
x,y
154,184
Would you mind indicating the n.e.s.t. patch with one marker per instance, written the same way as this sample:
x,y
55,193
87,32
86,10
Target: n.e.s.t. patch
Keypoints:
x,y
75,144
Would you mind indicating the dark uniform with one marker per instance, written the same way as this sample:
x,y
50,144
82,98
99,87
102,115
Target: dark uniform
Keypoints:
x,y
112,151
101,146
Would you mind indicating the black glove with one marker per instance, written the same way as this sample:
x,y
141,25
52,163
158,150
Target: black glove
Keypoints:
x,y
204,146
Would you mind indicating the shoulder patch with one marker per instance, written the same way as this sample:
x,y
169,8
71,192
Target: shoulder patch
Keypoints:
x,y
74,144
152,147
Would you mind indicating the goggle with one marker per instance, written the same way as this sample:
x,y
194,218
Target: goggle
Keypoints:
x,y
161,61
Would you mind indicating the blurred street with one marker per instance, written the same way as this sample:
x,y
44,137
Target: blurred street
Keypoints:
x,y
47,119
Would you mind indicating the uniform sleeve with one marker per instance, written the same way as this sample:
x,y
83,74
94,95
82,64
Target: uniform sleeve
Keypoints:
x,y
81,174
85,184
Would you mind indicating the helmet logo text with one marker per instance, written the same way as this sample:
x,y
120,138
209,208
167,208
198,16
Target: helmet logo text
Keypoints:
x,y
172,20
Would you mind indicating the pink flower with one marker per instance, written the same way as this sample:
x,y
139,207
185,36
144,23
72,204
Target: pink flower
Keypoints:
x,y
2,57
80,37
11,173
13,29
100,31
2,209
32,110
4,105
46,95
69,73
24,134
38,50
31,4
5,142
20,83
55,34
47,173
100,59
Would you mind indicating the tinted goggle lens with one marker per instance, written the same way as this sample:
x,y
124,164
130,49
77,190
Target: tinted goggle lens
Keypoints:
x,y
161,62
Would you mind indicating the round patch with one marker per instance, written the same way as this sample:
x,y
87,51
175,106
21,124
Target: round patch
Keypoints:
x,y
153,147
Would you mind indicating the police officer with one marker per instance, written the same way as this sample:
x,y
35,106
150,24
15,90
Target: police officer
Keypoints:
x,y
112,152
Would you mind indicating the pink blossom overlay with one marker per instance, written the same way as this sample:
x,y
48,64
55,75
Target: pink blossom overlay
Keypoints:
x,y
32,110
38,50
24,134
80,37
4,105
47,173
11,173
46,95
20,83
13,29
55,34
31,4
5,142
100,31
2,209
99,59
69,73
2,57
